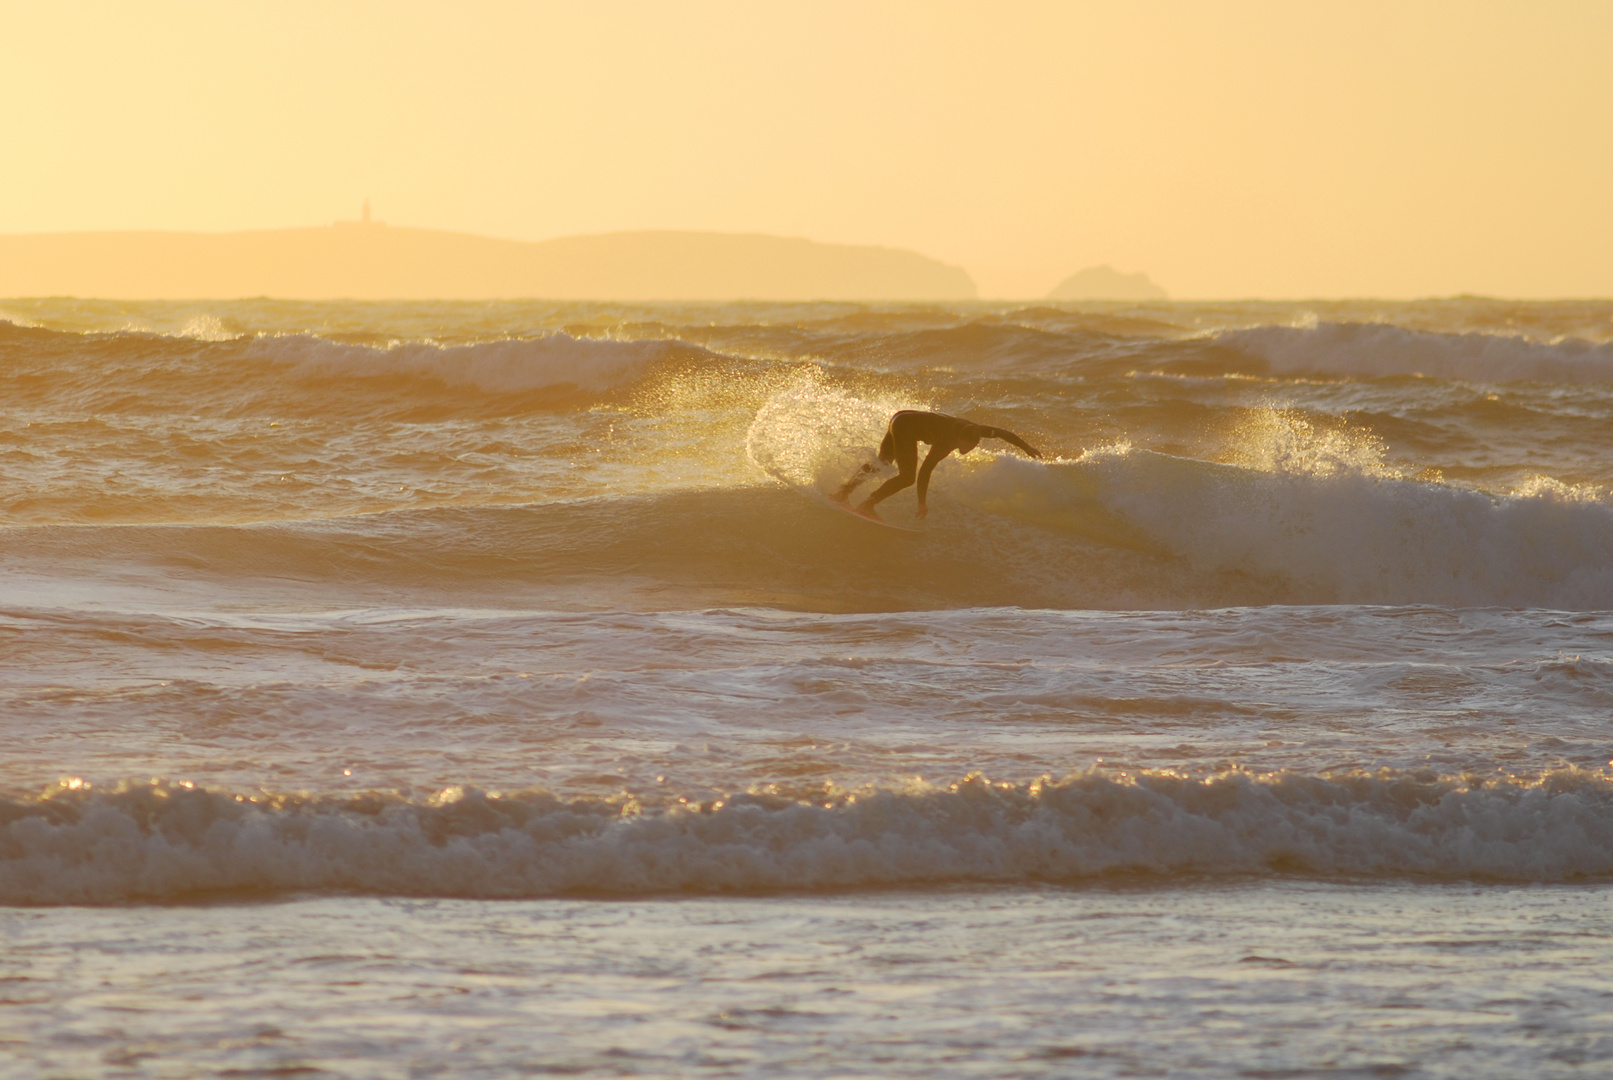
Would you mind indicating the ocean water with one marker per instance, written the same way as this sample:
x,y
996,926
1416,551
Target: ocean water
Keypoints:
x,y
404,690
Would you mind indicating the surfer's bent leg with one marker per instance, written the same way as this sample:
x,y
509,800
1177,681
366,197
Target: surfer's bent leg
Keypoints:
x,y
844,491
887,454
906,453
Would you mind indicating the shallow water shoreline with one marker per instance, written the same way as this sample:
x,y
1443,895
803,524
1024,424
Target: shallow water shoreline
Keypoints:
x,y
1275,978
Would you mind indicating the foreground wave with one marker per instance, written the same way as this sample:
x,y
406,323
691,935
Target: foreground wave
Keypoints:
x,y
166,841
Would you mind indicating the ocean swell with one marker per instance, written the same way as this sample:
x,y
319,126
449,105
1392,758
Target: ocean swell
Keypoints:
x,y
1377,350
136,371
513,365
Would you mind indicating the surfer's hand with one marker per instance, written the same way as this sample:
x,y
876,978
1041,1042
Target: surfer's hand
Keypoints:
x,y
922,510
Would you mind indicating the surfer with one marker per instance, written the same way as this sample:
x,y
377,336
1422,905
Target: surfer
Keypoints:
x,y
945,434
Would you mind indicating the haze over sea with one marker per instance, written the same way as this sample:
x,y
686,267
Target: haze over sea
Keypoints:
x,y
481,689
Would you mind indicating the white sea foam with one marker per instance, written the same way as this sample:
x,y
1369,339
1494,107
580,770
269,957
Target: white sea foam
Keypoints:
x,y
1377,349
206,328
511,365
163,840
1335,534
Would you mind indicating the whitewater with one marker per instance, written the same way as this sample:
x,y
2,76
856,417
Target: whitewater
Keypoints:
x,y
407,689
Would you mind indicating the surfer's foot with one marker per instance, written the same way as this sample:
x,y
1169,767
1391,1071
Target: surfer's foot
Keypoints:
x,y
866,509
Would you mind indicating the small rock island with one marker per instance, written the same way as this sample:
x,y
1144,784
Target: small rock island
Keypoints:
x,y
1106,283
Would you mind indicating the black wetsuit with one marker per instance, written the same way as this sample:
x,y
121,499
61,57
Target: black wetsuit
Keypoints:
x,y
944,434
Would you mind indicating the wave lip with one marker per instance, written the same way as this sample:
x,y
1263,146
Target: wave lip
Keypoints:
x,y
1378,350
165,841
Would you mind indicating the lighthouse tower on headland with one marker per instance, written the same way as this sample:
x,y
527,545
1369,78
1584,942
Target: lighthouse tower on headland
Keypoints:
x,y
364,219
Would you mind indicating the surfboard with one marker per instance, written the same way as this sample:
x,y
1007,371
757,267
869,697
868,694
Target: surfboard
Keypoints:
x,y
817,495
846,509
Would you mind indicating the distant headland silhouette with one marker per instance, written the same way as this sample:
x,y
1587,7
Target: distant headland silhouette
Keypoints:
x,y
369,260
1106,283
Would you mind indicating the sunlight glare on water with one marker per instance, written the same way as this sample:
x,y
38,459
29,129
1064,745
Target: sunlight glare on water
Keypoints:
x,y
468,689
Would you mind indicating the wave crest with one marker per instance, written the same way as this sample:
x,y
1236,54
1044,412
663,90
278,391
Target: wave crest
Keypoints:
x,y
1377,350
167,841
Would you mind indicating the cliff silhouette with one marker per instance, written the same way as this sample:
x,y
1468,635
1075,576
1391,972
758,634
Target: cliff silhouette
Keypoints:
x,y
361,260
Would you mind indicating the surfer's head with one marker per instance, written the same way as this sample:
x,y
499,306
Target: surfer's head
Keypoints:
x,y
887,448
968,441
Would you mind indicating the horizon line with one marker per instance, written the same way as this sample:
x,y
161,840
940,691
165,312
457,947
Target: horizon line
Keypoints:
x,y
361,224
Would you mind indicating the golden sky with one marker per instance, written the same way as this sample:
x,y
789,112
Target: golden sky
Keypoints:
x,y
1228,149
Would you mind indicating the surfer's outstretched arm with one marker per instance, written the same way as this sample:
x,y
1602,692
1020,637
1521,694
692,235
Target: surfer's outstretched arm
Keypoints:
x,y
1010,437
931,460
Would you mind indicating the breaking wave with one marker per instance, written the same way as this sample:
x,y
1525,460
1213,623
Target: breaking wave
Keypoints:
x,y
1339,535
1314,517
166,841
1122,529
